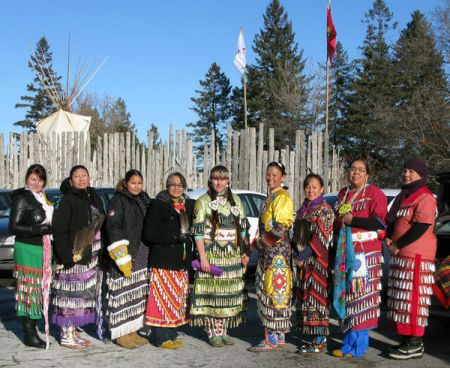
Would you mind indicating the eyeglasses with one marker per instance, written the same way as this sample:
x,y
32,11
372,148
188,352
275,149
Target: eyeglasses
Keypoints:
x,y
358,169
176,185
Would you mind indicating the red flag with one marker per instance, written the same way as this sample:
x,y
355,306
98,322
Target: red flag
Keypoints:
x,y
331,36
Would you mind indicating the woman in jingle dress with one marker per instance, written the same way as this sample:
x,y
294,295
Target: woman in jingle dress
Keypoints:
x,y
313,235
361,210
221,235
412,243
273,273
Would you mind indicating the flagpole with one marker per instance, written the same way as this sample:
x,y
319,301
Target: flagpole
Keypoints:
x,y
244,81
327,137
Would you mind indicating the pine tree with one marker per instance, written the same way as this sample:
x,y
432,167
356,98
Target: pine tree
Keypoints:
x,y
237,108
118,119
212,107
339,89
369,111
277,86
38,103
422,119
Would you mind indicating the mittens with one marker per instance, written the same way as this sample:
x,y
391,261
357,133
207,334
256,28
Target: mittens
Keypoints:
x,y
118,251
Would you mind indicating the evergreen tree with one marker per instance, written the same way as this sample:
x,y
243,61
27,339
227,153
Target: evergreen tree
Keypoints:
x,y
369,110
422,119
340,77
237,108
38,103
213,107
117,118
156,138
277,85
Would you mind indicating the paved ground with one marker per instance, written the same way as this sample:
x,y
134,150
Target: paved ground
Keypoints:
x,y
197,353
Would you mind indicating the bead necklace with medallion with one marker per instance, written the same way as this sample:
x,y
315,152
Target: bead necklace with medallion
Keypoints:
x,y
346,207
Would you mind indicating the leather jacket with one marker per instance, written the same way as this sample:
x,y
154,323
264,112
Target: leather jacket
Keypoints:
x,y
26,217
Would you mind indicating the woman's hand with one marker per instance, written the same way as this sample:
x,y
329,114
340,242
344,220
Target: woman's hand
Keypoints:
x,y
347,219
244,259
204,264
298,262
391,246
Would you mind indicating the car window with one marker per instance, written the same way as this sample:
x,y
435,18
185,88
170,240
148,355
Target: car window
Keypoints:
x,y
53,195
257,201
247,205
106,195
5,204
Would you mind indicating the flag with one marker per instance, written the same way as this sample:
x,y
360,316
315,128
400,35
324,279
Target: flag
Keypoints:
x,y
239,59
331,36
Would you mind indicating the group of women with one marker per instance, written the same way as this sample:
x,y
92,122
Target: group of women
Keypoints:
x,y
128,266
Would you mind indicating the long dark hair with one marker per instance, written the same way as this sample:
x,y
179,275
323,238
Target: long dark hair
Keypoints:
x,y
229,196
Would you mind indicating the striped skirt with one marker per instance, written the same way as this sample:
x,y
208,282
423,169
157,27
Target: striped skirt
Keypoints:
x,y
410,288
168,298
77,293
126,297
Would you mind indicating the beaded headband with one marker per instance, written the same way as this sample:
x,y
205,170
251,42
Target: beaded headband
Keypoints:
x,y
219,174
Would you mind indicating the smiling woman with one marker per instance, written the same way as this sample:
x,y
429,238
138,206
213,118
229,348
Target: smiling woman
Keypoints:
x,y
30,221
361,210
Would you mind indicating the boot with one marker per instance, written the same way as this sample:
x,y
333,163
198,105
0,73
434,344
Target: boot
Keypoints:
x,y
137,339
413,348
403,341
126,342
69,338
31,336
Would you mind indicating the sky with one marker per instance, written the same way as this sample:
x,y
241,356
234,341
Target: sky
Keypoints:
x,y
158,51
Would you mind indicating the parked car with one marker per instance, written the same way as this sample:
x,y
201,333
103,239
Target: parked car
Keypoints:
x,y
54,195
7,240
252,202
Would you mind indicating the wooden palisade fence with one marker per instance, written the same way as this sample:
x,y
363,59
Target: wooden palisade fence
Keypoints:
x,y
244,154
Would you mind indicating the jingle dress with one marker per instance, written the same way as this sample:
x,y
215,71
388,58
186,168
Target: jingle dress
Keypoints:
x,y
126,297
170,258
358,266
220,302
76,286
273,273
411,270
313,231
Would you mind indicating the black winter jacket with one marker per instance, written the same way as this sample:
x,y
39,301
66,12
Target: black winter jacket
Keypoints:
x,y
26,217
161,228
72,213
125,219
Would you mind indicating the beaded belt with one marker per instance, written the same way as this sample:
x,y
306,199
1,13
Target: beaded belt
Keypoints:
x,y
364,236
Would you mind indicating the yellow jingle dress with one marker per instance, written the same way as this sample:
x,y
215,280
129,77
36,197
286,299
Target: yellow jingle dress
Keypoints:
x,y
273,274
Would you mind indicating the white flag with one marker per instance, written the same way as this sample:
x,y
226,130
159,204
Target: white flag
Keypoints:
x,y
239,59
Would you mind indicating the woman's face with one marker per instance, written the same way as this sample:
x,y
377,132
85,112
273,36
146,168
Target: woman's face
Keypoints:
x,y
175,188
274,178
34,183
409,176
219,184
313,189
134,185
79,179
357,174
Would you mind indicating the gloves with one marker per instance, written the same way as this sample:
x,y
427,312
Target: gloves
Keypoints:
x,y
119,253
46,229
182,238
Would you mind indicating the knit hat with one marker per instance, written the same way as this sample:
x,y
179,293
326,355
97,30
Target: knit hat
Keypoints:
x,y
419,166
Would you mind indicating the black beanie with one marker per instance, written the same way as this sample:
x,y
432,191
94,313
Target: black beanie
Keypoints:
x,y
419,166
